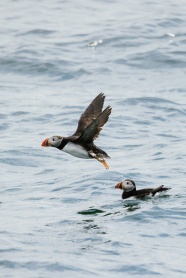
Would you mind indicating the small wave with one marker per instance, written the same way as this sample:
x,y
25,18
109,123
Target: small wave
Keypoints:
x,y
155,59
91,211
40,32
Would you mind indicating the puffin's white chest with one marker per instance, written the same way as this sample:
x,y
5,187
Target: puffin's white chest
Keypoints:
x,y
76,150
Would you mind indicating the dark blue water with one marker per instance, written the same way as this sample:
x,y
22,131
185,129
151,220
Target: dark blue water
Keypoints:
x,y
60,215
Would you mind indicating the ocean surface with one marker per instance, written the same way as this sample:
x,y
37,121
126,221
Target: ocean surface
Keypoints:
x,y
62,216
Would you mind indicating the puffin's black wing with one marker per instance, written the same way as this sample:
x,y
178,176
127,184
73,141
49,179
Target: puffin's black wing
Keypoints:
x,y
92,131
153,191
90,114
159,189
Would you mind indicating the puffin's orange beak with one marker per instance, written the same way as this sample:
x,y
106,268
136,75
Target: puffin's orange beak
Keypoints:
x,y
118,185
45,143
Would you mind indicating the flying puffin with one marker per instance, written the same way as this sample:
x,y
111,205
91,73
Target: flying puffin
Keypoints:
x,y
129,189
81,143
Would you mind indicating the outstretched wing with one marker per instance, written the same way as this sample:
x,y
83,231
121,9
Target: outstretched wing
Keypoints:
x,y
143,192
160,189
92,131
90,114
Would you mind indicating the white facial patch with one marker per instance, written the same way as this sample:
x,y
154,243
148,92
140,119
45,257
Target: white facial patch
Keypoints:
x,y
128,185
54,141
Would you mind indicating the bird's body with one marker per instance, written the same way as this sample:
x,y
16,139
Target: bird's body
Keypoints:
x,y
129,189
81,143
76,150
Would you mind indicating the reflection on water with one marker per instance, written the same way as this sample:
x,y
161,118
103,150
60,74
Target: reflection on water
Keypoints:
x,y
131,207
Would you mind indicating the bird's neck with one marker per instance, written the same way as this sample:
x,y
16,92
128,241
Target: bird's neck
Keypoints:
x,y
63,144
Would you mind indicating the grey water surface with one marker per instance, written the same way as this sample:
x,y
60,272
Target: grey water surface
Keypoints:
x,y
62,216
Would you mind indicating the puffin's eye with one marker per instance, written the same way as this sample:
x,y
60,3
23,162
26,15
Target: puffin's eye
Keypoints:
x,y
53,139
127,182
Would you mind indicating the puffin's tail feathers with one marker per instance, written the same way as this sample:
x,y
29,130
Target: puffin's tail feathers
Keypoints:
x,y
159,189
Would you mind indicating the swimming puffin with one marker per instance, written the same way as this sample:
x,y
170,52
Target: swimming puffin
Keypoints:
x,y
129,189
81,143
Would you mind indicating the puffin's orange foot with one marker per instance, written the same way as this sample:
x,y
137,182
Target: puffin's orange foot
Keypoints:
x,y
99,159
104,163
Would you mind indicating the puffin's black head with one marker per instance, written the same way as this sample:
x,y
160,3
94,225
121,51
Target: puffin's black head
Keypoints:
x,y
127,185
54,141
